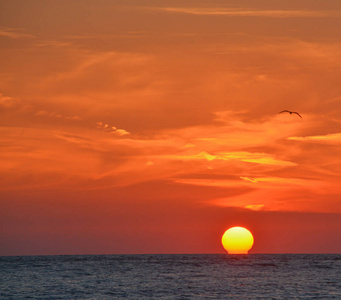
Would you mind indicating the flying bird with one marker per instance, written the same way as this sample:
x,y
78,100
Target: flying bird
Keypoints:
x,y
291,112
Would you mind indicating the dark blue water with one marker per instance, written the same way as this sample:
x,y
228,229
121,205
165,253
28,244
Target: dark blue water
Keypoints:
x,y
171,277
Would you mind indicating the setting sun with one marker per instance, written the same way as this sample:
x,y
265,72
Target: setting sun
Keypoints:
x,y
237,240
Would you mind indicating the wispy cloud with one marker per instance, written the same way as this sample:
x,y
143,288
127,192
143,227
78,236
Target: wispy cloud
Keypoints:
x,y
111,129
328,138
120,132
255,206
54,44
7,102
258,158
264,182
56,115
243,156
233,12
13,33
313,195
75,139
249,179
278,181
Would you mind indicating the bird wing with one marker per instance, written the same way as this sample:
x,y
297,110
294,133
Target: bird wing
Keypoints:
x,y
284,111
297,114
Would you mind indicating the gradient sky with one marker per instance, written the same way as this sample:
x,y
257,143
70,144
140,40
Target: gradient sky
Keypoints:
x,y
153,126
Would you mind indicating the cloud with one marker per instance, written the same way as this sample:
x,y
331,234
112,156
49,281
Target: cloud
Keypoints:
x,y
332,138
7,102
258,158
233,12
13,33
120,132
75,139
111,129
55,44
243,156
198,156
255,206
56,115
194,113
267,182
107,71
263,183
249,179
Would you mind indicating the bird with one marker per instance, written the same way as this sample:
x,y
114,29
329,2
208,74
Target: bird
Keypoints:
x,y
291,112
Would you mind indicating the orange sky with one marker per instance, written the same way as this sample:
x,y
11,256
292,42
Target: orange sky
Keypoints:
x,y
153,126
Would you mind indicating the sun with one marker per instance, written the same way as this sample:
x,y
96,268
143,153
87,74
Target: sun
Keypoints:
x,y
237,240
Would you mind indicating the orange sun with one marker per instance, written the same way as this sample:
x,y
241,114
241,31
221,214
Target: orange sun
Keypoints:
x,y
237,240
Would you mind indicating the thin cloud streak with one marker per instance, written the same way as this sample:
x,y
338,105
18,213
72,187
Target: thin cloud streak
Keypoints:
x,y
256,207
332,138
13,33
250,13
257,158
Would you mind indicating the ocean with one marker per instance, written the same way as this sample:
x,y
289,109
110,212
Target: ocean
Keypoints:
x,y
176,276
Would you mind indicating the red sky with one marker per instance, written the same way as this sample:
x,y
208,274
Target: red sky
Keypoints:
x,y
153,126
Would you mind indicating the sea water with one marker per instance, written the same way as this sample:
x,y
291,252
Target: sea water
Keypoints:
x,y
214,276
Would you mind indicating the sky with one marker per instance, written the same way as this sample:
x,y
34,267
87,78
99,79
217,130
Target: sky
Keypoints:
x,y
131,127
